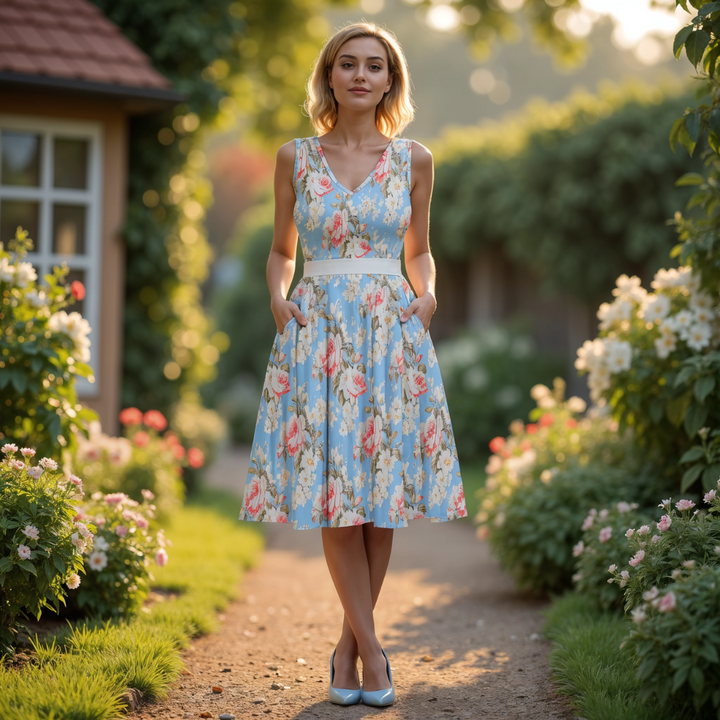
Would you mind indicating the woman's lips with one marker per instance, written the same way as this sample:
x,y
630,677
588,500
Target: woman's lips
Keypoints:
x,y
358,91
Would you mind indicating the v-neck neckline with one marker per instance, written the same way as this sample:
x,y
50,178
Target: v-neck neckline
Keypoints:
x,y
332,174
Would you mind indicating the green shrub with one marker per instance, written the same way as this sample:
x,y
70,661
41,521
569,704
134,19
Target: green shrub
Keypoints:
x,y
41,538
604,545
146,460
118,559
677,641
487,375
42,350
684,538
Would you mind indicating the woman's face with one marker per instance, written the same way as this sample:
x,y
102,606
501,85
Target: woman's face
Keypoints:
x,y
360,75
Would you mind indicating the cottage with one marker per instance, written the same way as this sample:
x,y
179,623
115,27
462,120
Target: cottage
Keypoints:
x,y
69,82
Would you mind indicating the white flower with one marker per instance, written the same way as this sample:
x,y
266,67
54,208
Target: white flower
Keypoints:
x,y
36,298
48,464
24,552
73,581
7,270
576,404
97,560
24,274
698,335
8,448
539,391
666,343
32,532
681,322
611,313
76,328
638,614
612,568
619,355
701,301
655,307
629,288
35,472
100,543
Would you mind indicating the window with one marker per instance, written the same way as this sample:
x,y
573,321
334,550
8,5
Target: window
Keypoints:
x,y
51,184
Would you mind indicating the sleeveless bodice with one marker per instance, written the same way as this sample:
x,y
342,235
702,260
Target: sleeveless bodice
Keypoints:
x,y
370,221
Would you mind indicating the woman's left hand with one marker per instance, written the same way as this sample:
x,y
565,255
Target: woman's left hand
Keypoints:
x,y
424,307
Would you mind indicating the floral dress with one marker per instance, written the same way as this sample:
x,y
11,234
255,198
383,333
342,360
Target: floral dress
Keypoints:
x,y
353,424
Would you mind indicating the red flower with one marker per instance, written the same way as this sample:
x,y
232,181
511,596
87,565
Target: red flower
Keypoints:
x,y
155,420
141,438
131,416
531,428
178,451
547,419
171,438
571,423
78,290
195,457
497,444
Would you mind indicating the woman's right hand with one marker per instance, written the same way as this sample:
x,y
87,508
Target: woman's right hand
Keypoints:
x,y
283,311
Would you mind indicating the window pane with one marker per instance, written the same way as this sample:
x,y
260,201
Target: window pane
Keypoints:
x,y
20,158
69,229
19,212
78,305
70,162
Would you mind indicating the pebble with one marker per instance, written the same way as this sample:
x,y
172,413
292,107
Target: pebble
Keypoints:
x,y
276,686
427,658
302,661
226,716
535,636
217,689
259,701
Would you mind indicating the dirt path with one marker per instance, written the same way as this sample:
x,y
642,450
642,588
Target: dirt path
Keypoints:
x,y
461,641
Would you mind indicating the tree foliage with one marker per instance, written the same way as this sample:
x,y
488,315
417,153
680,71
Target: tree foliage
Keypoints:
x,y
231,59
579,192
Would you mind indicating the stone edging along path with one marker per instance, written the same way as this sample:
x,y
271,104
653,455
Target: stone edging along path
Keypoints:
x,y
462,642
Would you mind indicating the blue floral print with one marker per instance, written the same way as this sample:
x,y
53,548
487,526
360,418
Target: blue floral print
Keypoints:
x,y
353,424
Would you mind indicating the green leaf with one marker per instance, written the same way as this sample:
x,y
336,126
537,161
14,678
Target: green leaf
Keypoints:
x,y
695,46
680,39
690,179
675,132
59,564
676,409
710,476
27,565
686,372
691,476
695,419
692,123
703,387
708,8
697,679
694,453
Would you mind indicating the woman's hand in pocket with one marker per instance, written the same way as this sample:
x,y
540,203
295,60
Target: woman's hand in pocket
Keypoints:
x,y
285,310
423,307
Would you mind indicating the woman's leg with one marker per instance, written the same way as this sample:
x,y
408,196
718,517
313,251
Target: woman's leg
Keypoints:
x,y
357,559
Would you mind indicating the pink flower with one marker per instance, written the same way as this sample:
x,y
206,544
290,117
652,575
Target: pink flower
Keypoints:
x,y
709,496
383,168
8,448
121,530
637,558
605,534
161,557
255,495
115,498
195,457
32,532
684,505
148,494
141,438
131,416
24,552
588,521
28,452
668,603
629,532
612,568
17,464
497,444
644,530
354,382
77,289
48,464
337,227
372,436
664,524
155,420
415,382
333,357
73,581
279,381
578,549
295,434
334,497
655,538
432,435
75,480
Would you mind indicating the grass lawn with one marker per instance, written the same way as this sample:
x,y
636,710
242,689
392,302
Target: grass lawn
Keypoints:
x,y
588,664
81,672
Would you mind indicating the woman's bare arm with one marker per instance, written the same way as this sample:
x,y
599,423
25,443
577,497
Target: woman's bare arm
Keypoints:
x,y
281,263
419,261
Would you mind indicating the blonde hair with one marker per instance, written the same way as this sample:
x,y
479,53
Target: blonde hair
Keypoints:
x,y
394,112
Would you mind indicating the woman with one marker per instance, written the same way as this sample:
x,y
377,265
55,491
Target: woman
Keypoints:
x,y
353,433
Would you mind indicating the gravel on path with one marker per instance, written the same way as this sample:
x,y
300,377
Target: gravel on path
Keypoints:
x,y
462,642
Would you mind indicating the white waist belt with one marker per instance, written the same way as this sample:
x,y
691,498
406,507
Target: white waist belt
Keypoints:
x,y
349,266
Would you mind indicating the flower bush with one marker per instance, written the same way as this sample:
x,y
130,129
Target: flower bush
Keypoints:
x,y
684,537
150,458
605,545
118,559
41,539
655,362
677,641
43,348
488,374
543,479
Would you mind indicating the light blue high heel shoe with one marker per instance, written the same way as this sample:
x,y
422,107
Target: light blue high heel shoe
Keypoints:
x,y
381,698
342,696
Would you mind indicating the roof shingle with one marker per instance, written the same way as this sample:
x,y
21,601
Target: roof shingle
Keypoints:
x,y
71,39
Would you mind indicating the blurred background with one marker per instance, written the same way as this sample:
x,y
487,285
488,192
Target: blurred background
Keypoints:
x,y
138,143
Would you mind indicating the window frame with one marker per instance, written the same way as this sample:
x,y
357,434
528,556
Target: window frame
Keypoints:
x,y
42,256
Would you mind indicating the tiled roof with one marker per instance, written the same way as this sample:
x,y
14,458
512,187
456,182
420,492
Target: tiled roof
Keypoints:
x,y
71,39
